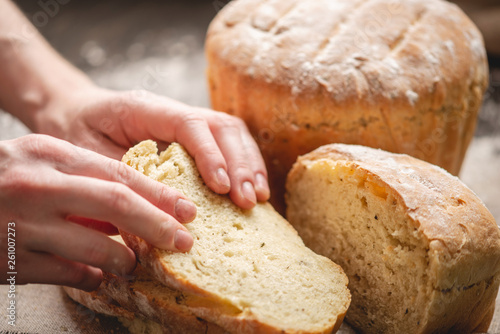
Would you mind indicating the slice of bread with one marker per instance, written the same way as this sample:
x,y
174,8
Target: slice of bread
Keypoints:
x,y
250,269
421,251
144,305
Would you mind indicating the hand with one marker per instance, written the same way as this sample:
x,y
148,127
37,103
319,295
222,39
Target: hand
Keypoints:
x,y
46,183
110,122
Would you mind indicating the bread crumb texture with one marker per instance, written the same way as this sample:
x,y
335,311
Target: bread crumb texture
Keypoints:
x,y
249,268
420,249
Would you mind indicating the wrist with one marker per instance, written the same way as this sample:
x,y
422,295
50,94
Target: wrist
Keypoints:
x,y
58,106
33,76
33,84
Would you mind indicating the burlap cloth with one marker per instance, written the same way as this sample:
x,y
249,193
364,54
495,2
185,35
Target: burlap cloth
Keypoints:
x,y
47,309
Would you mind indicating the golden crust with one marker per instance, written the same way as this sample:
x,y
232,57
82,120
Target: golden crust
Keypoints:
x,y
141,297
404,76
469,310
98,302
462,236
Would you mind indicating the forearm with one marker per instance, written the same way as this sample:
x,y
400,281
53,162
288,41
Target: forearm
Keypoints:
x,y
32,74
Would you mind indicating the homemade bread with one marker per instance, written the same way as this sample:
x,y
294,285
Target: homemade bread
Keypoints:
x,y
421,251
250,270
144,305
407,76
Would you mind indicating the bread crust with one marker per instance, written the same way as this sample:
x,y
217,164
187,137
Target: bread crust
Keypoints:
x,y
463,238
98,302
131,298
404,76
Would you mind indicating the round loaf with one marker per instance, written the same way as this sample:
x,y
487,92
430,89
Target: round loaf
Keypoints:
x,y
421,250
406,76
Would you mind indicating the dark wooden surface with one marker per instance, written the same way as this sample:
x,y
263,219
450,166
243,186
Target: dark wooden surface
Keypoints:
x,y
158,45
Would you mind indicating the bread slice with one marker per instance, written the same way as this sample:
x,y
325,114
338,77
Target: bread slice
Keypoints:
x,y
250,265
100,302
97,302
144,305
421,251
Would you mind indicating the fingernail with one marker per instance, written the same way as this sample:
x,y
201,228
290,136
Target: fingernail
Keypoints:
x,y
261,185
248,192
184,210
223,178
183,241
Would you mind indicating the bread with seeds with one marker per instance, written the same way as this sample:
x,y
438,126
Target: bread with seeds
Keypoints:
x,y
144,305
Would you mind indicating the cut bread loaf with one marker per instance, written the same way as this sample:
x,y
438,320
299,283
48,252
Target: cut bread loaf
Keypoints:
x,y
250,269
421,251
144,305
407,76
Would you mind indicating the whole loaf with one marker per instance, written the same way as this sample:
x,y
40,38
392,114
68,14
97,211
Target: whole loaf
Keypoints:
x,y
407,76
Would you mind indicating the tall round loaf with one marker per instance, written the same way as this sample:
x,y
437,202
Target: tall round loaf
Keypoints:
x,y
406,76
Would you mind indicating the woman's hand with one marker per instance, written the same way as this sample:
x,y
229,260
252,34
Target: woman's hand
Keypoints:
x,y
109,122
52,97
57,194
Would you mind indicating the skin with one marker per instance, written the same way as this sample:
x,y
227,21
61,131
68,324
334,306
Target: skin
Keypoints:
x,y
64,188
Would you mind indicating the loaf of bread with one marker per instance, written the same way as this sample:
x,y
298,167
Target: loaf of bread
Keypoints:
x,y
407,76
421,251
249,269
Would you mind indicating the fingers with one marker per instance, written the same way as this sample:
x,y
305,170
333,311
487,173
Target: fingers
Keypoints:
x,y
49,176
77,243
217,154
225,153
99,188
119,205
46,268
245,164
257,165
227,132
167,199
102,145
262,187
194,134
94,224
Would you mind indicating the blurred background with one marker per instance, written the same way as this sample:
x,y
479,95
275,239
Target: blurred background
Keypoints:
x,y
158,46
